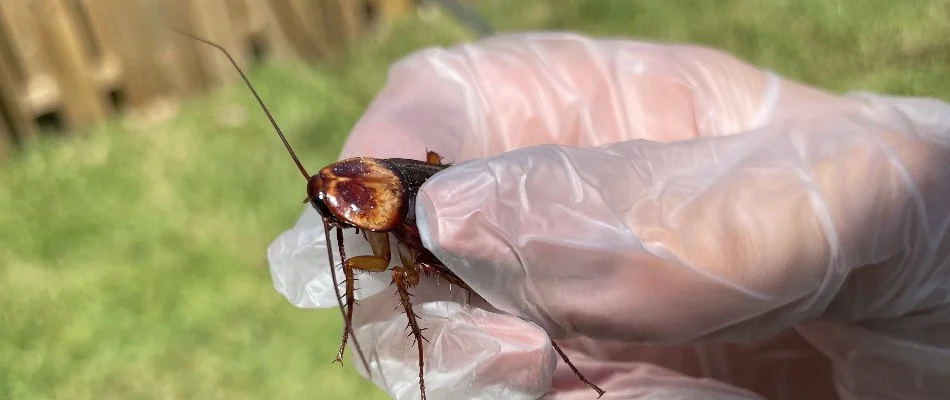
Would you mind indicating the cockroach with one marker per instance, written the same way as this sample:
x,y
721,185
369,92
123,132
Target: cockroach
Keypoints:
x,y
376,197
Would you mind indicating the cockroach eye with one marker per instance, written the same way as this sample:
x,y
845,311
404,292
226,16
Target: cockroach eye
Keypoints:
x,y
314,193
314,187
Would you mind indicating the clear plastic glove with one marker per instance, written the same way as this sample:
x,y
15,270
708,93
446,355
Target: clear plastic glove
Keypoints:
x,y
690,226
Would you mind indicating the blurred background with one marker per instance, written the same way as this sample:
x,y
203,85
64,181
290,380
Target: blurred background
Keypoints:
x,y
140,185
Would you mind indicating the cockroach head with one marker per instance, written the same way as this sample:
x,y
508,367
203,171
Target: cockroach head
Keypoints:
x,y
316,196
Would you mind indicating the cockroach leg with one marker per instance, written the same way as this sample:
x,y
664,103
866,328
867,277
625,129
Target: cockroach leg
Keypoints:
x,y
405,278
430,266
433,157
350,282
378,262
443,273
600,392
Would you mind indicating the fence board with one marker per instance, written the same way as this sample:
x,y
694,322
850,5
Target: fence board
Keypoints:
x,y
34,85
210,24
82,103
177,56
267,29
60,60
128,43
14,126
390,10
344,21
301,22
6,129
19,127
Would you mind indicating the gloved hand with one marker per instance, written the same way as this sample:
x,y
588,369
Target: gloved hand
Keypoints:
x,y
690,226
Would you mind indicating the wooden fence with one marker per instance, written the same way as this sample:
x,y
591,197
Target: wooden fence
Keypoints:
x,y
66,63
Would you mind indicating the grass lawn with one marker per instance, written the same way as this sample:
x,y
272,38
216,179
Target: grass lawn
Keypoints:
x,y
132,257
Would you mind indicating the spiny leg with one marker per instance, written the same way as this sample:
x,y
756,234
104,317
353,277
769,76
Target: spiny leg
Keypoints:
x,y
350,282
404,278
410,273
428,264
581,376
347,327
424,262
336,285
443,273
378,262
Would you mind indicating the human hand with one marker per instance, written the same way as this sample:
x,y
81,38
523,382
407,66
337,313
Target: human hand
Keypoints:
x,y
690,226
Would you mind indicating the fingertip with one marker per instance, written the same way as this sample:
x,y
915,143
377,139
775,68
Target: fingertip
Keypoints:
x,y
425,208
450,205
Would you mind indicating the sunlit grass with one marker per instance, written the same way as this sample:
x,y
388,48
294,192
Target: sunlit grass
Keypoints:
x,y
132,257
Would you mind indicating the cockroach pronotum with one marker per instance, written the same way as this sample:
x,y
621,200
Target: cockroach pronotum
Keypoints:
x,y
376,197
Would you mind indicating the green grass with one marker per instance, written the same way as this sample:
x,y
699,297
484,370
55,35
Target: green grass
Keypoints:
x,y
132,257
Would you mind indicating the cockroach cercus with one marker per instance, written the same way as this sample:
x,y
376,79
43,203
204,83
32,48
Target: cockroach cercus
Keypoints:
x,y
376,197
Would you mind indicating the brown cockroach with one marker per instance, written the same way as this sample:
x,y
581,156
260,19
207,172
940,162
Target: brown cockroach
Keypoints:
x,y
376,197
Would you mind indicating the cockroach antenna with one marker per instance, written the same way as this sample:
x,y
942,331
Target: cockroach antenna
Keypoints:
x,y
270,117
392,182
306,175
